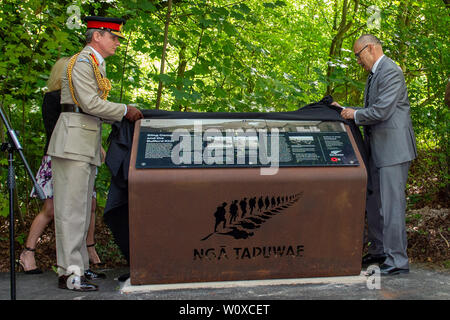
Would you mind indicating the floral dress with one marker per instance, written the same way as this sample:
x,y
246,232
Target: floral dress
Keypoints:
x,y
44,179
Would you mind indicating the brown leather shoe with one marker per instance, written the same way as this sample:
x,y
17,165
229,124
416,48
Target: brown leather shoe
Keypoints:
x,y
83,286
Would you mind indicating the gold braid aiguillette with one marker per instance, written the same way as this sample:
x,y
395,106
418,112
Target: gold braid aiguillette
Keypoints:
x,y
104,85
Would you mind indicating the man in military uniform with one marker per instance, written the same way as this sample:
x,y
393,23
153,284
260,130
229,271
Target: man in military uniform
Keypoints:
x,y
75,146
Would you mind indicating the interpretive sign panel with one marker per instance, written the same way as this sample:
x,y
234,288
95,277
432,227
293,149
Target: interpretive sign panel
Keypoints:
x,y
193,143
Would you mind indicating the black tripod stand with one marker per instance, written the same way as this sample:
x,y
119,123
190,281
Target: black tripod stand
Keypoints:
x,y
14,145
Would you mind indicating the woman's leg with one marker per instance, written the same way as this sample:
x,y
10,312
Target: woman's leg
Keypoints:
x,y
90,239
41,221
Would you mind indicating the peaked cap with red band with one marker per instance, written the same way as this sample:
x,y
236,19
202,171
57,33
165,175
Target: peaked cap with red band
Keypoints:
x,y
112,25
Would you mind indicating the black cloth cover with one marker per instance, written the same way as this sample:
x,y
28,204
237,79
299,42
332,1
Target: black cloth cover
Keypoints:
x,y
51,109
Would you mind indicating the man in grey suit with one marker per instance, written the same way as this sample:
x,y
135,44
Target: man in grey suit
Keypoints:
x,y
390,142
75,146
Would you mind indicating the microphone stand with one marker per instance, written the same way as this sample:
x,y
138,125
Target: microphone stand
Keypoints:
x,y
14,145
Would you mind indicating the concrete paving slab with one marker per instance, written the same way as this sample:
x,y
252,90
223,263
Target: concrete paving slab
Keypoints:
x,y
420,284
127,287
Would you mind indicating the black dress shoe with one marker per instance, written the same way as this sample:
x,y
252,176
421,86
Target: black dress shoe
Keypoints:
x,y
83,287
92,275
124,277
369,259
387,270
32,271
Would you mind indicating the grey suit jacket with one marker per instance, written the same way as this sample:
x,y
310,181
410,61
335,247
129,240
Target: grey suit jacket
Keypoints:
x,y
77,136
386,118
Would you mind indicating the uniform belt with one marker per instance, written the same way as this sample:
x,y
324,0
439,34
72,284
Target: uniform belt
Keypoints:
x,y
66,107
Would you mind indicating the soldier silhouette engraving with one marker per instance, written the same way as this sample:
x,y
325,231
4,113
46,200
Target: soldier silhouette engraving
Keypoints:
x,y
260,203
273,203
233,211
252,204
220,216
243,205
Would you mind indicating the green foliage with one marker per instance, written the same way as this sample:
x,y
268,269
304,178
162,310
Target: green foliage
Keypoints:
x,y
229,56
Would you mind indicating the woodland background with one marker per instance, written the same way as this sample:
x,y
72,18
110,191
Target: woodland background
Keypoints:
x,y
232,56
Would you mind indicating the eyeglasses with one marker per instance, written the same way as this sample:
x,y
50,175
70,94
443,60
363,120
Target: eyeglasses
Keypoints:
x,y
359,52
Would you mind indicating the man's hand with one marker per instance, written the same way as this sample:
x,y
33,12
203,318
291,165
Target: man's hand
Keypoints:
x,y
334,103
133,113
103,153
348,113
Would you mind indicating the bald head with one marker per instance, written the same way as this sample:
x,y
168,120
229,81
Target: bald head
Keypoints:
x,y
368,38
367,50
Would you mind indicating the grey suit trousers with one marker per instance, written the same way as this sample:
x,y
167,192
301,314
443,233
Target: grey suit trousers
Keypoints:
x,y
386,207
73,185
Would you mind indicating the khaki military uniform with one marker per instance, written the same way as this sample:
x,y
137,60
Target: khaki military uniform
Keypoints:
x,y
75,148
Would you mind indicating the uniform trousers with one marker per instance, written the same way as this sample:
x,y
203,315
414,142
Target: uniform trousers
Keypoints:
x,y
73,185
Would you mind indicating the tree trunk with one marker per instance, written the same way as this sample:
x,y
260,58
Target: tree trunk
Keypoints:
x,y
124,67
180,73
403,21
336,42
163,58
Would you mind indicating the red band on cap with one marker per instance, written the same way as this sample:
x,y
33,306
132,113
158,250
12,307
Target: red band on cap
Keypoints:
x,y
100,24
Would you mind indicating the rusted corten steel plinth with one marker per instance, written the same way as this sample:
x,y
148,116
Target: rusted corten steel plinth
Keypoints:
x,y
189,225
